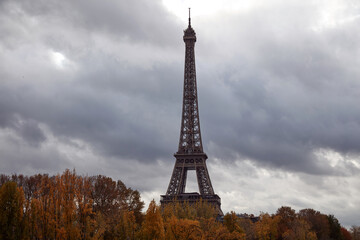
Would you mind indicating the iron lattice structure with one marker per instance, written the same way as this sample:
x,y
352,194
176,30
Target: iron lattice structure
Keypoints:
x,y
190,154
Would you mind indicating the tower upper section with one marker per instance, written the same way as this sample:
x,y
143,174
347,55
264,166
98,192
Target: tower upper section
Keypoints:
x,y
189,33
190,135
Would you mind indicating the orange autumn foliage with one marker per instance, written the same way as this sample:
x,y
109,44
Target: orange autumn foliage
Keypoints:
x,y
69,206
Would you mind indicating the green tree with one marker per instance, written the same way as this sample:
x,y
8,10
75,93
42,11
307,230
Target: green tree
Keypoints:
x,y
335,228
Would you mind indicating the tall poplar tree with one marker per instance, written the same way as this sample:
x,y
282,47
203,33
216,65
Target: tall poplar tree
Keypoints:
x,y
11,211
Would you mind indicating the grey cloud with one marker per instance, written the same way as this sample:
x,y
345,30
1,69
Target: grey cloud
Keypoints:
x,y
103,103
113,121
31,132
18,156
280,100
140,21
289,92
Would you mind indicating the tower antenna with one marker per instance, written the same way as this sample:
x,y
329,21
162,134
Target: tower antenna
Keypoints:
x,y
189,17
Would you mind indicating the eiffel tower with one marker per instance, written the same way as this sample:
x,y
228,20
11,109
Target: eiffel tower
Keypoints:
x,y
190,154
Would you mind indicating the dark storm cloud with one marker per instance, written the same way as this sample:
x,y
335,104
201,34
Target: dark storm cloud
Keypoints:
x,y
31,132
288,90
108,100
135,20
279,92
21,152
111,121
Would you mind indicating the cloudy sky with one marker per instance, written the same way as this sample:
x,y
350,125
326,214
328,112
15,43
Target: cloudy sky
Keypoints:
x,y
97,86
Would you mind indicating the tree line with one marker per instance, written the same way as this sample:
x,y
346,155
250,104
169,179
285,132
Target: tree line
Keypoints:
x,y
69,206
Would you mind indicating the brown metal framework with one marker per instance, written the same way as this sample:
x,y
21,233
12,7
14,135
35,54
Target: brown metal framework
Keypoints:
x,y
190,154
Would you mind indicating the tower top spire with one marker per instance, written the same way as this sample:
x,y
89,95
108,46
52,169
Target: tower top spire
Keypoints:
x,y
189,33
189,18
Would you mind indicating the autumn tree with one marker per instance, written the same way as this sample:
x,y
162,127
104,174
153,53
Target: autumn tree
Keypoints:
x,y
318,222
106,203
11,211
68,218
69,206
153,226
44,194
35,220
181,210
130,200
4,179
84,202
300,230
287,215
127,228
192,211
182,229
355,232
249,228
346,234
104,196
204,209
212,229
267,227
111,199
231,222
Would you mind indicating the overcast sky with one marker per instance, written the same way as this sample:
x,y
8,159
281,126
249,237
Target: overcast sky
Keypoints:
x,y
97,86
